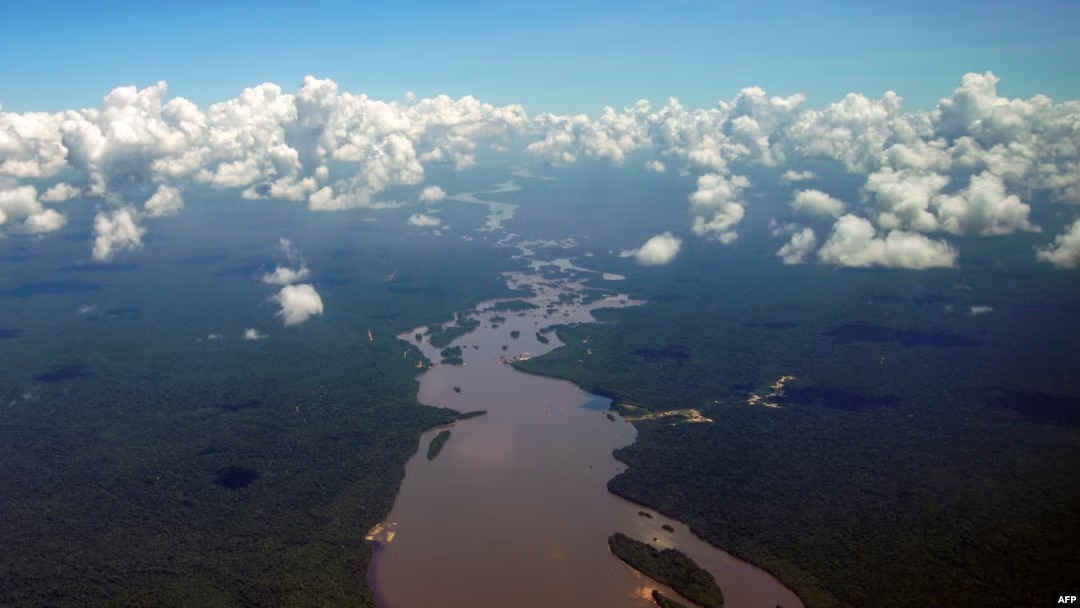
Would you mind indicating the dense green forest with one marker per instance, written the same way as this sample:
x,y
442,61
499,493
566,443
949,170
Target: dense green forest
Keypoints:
x,y
148,465
669,567
922,456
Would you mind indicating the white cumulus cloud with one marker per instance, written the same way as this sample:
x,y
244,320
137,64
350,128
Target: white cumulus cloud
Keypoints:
x,y
253,334
298,303
116,231
717,207
903,198
424,220
854,242
790,176
432,194
801,245
816,202
293,269
338,150
165,201
60,192
16,202
1065,252
657,251
985,208
285,276
47,220
21,202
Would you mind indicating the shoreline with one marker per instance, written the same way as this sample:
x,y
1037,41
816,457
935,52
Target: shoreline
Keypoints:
x,y
658,517
652,508
643,505
440,499
542,288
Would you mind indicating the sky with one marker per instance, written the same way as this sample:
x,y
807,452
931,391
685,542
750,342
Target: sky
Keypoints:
x,y
564,57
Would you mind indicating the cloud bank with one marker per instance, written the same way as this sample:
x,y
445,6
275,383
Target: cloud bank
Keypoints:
x,y
973,165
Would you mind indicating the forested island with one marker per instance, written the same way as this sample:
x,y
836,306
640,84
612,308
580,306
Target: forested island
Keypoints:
x,y
452,356
513,306
437,443
441,337
669,567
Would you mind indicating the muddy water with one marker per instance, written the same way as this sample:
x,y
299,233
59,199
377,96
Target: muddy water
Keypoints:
x,y
514,511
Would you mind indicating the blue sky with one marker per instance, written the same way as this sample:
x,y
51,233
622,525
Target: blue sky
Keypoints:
x,y
549,56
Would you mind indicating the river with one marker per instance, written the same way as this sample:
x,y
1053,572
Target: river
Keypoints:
x,y
515,510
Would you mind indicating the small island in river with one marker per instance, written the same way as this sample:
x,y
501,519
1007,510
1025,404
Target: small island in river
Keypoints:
x,y
437,444
669,567
441,337
514,305
452,356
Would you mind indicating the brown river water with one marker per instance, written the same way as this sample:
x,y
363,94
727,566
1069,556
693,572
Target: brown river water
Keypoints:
x,y
515,511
